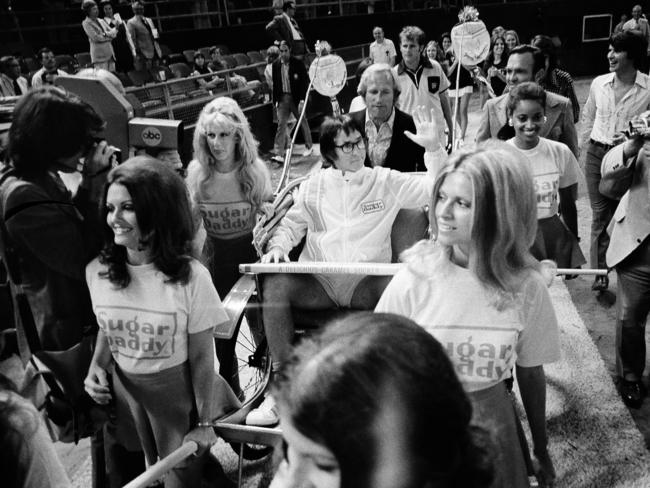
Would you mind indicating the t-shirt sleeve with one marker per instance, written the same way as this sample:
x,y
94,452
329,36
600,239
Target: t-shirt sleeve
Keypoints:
x,y
394,299
539,342
206,310
569,168
391,48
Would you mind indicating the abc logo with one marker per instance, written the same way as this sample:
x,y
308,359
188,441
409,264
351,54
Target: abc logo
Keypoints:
x,y
151,136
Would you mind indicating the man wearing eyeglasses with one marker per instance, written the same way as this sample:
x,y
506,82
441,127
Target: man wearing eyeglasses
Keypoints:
x,y
11,83
384,127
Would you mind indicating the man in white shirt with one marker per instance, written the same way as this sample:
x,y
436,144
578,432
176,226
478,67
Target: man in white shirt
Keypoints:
x,y
420,82
638,24
382,50
11,83
48,73
614,98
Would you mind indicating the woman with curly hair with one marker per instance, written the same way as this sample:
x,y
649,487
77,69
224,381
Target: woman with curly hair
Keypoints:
x,y
156,307
478,290
373,401
229,185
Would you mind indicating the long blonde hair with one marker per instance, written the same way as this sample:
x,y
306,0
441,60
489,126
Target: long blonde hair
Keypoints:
x,y
504,216
252,174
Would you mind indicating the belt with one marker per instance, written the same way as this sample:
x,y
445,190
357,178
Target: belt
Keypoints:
x,y
606,147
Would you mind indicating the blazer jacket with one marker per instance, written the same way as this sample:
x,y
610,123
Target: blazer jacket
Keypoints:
x,y
100,36
403,154
298,79
559,125
280,29
630,180
142,40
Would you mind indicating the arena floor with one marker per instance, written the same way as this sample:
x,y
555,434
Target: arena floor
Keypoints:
x,y
593,438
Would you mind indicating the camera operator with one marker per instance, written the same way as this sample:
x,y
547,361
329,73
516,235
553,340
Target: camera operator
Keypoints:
x,y
626,175
47,235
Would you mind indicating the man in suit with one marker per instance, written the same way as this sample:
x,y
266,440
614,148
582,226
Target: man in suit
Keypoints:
x,y
143,36
100,37
383,125
11,83
284,27
290,82
626,174
527,63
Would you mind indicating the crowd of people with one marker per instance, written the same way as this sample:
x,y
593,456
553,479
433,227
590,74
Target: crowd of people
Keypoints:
x,y
138,259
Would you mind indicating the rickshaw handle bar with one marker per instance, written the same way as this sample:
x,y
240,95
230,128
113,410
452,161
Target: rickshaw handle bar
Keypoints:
x,y
166,464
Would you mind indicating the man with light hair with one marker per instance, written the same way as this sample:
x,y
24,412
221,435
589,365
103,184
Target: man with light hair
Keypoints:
x,y
384,127
638,25
422,83
382,50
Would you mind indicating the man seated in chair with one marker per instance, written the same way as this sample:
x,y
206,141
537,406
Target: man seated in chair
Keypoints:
x,y
346,213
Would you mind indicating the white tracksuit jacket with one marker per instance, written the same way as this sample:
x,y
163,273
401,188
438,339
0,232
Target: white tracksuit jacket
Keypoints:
x,y
349,218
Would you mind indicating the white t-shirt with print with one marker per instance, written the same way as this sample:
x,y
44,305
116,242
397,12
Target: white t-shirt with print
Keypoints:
x,y
482,342
553,166
147,323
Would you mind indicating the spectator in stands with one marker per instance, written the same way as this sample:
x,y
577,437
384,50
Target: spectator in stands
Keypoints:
x,y
12,84
382,50
100,37
121,46
54,234
229,186
527,63
638,24
512,39
28,458
494,68
285,28
422,82
290,82
498,31
626,175
48,73
144,275
475,282
619,26
614,98
358,102
403,421
383,126
143,36
332,211
201,68
556,80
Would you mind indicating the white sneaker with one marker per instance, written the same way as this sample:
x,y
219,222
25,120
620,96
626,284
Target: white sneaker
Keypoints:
x,y
265,415
307,152
277,159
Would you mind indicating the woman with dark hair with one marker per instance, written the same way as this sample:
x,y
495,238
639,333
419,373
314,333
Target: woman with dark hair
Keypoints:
x,y
374,402
345,213
156,307
556,80
201,68
494,67
477,289
121,46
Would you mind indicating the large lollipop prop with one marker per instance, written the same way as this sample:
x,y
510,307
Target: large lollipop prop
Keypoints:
x,y
327,75
471,43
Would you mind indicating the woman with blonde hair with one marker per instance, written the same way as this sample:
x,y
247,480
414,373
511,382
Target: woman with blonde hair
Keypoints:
x,y
229,185
476,288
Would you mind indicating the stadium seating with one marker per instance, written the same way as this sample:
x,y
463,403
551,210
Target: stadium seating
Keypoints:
x,y
255,56
83,59
241,59
189,56
180,70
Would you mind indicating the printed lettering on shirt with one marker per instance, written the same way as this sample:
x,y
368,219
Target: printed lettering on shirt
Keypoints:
x,y
137,332
222,219
546,187
479,353
372,207
433,83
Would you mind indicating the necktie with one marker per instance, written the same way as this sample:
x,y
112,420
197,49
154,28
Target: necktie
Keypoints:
x,y
17,90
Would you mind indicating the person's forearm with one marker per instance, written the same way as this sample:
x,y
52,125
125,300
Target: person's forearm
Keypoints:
x,y
201,358
102,355
446,111
532,386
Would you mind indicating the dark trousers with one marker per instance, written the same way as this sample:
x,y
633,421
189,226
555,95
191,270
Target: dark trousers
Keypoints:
x,y
602,208
632,307
286,107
